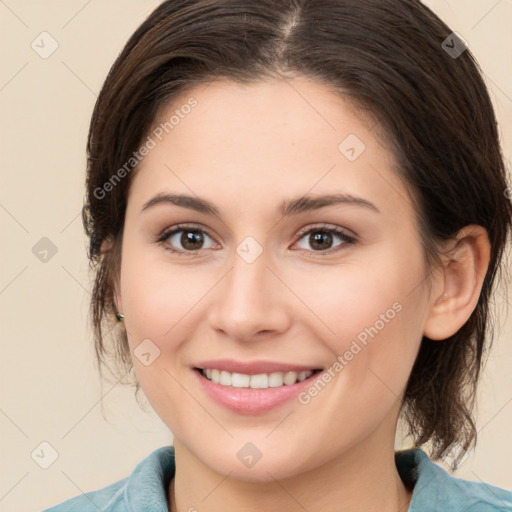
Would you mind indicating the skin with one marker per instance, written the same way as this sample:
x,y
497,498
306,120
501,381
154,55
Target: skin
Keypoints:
x,y
246,149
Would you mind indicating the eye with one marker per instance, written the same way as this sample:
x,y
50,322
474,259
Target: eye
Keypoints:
x,y
191,239
321,239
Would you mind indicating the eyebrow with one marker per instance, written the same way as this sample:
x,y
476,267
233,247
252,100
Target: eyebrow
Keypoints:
x,y
288,207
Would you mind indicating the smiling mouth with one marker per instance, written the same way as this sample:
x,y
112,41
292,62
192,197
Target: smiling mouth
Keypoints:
x,y
257,381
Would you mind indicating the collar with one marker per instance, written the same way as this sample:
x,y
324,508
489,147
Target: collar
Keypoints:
x,y
435,489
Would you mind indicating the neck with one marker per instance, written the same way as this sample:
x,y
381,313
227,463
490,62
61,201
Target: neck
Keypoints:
x,y
363,478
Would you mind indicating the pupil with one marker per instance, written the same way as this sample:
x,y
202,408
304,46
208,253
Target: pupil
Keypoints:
x,y
320,237
191,240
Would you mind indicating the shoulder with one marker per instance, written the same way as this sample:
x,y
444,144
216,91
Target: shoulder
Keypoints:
x,y
147,484
435,489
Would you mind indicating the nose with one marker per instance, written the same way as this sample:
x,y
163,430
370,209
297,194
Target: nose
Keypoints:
x,y
250,300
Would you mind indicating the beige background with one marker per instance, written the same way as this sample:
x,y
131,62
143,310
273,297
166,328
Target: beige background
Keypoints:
x,y
50,389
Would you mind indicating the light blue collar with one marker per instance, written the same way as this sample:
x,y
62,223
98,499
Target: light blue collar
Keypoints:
x,y
438,491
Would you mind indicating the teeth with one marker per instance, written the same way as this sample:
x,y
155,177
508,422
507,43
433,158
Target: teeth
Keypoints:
x,y
275,380
302,376
238,380
259,381
225,378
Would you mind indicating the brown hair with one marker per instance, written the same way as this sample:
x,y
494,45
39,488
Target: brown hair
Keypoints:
x,y
388,57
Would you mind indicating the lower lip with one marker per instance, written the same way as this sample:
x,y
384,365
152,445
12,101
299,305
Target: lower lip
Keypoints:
x,y
252,401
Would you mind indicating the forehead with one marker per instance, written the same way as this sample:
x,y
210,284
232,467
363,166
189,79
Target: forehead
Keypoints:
x,y
264,141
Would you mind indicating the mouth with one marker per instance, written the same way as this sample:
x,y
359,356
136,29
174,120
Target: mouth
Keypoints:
x,y
256,393
255,381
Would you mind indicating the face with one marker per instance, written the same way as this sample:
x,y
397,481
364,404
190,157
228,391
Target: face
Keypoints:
x,y
247,270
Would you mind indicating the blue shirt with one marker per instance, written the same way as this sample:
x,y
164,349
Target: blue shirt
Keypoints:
x,y
435,490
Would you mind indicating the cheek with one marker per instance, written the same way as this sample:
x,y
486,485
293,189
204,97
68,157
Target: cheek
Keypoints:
x,y
350,297
158,296
369,314
164,304
374,347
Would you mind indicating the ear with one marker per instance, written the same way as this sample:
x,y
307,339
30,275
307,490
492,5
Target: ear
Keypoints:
x,y
458,288
106,246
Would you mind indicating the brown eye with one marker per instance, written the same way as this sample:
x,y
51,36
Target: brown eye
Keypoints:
x,y
191,240
183,239
321,239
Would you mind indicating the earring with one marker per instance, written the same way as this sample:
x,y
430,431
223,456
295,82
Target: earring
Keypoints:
x,y
119,317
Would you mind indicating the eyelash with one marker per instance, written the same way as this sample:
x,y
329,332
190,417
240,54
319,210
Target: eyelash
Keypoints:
x,y
164,236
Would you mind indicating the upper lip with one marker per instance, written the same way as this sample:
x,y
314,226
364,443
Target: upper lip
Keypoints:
x,y
252,367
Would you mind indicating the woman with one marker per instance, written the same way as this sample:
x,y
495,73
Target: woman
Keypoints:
x,y
297,212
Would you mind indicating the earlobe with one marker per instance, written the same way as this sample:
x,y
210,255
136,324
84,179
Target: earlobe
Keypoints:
x,y
106,245
462,275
